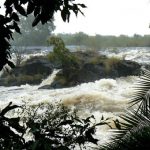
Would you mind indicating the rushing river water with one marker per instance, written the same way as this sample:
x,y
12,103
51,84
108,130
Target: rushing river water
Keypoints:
x,y
106,96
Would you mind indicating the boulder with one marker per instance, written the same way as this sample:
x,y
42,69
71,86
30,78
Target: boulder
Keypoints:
x,y
30,72
126,68
90,67
90,72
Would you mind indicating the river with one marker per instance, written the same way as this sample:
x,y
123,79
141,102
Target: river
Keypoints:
x,y
106,96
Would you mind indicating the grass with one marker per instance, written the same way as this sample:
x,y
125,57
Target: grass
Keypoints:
x,y
110,63
51,57
98,60
61,79
23,79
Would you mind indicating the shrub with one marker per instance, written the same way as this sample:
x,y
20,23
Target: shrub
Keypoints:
x,y
98,60
62,56
110,63
61,79
51,128
51,56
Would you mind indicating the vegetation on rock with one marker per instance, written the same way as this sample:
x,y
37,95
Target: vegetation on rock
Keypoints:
x,y
68,62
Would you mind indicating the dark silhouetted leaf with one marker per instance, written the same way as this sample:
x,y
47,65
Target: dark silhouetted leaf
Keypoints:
x,y
30,7
11,64
117,124
21,10
63,15
36,11
15,16
82,5
23,1
66,122
36,20
16,27
8,108
8,11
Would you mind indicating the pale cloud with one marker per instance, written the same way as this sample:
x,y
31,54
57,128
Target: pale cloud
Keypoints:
x,y
109,17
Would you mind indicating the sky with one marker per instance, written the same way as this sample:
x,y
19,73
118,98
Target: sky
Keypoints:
x,y
109,17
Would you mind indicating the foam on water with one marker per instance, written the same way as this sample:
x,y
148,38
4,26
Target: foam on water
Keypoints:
x,y
140,54
50,78
104,95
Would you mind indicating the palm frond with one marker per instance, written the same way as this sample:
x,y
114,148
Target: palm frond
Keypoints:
x,y
133,132
128,136
141,96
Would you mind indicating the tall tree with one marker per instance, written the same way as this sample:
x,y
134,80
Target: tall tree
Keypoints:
x,y
43,12
32,36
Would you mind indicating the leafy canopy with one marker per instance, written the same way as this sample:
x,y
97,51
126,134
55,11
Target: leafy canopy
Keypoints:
x,y
43,12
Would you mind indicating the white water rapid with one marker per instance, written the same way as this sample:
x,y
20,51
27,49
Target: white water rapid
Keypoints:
x,y
50,78
106,96
138,54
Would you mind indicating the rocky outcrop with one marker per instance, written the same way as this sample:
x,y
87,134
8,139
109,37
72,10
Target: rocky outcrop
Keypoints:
x,y
90,72
31,72
90,67
34,67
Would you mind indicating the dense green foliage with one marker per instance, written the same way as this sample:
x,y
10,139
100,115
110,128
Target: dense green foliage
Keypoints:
x,y
60,52
62,56
99,41
46,127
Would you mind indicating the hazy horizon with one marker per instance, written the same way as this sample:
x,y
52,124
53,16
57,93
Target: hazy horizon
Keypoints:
x,y
142,35
107,17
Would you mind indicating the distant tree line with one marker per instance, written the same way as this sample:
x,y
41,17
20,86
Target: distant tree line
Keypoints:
x,y
39,35
99,41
